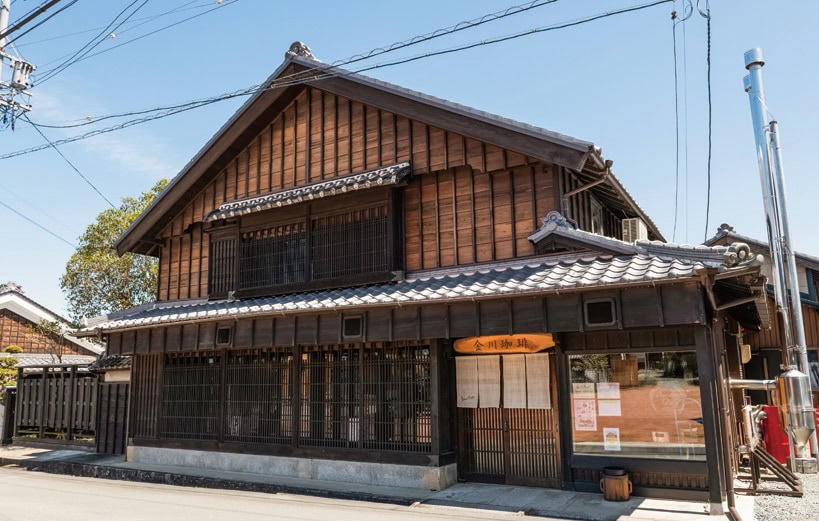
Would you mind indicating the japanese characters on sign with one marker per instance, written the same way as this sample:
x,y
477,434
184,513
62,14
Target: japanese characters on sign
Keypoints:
x,y
523,343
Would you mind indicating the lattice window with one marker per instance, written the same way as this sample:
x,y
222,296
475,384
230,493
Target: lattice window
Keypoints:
x,y
330,397
397,399
258,404
352,243
273,256
222,272
190,397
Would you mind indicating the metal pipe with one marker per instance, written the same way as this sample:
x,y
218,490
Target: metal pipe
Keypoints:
x,y
786,287
753,86
752,385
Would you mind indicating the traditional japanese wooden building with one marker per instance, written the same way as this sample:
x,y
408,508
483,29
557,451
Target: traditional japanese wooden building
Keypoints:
x,y
360,282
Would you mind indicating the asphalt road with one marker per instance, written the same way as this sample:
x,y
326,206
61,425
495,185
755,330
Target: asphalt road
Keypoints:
x,y
27,496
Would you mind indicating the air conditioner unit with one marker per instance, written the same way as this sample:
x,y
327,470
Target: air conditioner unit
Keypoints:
x,y
634,229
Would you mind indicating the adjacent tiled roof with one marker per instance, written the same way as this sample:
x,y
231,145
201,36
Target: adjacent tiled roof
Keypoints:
x,y
35,359
111,362
726,230
389,175
555,225
529,276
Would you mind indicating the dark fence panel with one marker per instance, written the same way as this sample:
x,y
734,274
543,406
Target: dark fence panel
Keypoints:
x,y
111,422
56,403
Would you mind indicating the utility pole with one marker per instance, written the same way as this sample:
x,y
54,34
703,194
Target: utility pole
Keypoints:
x,y
796,402
21,70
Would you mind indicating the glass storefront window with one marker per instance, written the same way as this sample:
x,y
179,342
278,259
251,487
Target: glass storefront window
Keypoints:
x,y
637,405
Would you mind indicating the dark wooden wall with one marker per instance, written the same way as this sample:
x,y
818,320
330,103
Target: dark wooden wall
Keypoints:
x,y
768,338
319,136
14,330
666,305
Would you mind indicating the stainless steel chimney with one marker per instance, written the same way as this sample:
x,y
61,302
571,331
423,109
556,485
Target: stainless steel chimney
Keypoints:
x,y
794,386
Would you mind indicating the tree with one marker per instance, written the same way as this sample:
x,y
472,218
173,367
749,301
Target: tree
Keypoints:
x,y
52,334
8,369
96,280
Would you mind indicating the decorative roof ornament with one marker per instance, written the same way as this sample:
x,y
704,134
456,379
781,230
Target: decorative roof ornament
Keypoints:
x,y
555,219
299,49
725,227
11,286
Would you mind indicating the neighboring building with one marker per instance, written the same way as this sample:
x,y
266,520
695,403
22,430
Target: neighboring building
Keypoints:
x,y
767,344
359,282
18,313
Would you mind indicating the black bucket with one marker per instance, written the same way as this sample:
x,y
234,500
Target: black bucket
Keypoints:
x,y
614,471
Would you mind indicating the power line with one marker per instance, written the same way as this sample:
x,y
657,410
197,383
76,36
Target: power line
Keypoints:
x,y
94,42
28,17
52,145
330,72
707,15
143,21
38,225
675,21
41,22
513,10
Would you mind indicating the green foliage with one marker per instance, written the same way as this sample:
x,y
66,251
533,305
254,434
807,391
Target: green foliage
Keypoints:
x,y
96,280
13,349
51,333
8,370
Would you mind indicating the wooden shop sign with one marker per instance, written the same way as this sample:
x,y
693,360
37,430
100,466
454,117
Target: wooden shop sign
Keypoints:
x,y
526,343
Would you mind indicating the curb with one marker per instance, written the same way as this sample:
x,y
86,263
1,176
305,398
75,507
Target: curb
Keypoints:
x,y
86,470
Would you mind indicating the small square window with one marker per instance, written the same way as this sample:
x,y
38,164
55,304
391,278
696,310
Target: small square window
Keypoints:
x,y
224,335
600,312
353,327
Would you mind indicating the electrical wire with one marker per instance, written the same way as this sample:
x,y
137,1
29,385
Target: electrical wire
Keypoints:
x,y
329,71
77,170
41,22
688,10
143,21
28,17
513,10
38,225
94,42
707,15
685,121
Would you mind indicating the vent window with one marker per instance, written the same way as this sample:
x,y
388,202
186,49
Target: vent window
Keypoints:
x,y
353,327
224,335
600,312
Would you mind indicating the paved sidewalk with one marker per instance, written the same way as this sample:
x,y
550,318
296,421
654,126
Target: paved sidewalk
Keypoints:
x,y
462,498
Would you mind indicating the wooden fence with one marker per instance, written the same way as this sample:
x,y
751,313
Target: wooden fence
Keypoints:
x,y
56,403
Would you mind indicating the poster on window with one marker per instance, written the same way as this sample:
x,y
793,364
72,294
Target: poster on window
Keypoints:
x,y
584,391
537,381
608,391
611,438
514,381
585,415
488,381
466,381
608,408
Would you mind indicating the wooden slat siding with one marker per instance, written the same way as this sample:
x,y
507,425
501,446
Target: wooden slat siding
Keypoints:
x,y
338,136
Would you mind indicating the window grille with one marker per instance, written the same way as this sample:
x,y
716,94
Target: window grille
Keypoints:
x,y
273,256
190,397
223,266
352,243
258,403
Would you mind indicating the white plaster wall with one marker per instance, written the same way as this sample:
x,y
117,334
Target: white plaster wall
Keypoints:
x,y
410,476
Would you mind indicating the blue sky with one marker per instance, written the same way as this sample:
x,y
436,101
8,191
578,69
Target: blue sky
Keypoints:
x,y
610,82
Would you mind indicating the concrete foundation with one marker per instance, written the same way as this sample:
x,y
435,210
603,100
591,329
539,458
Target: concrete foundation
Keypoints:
x,y
408,476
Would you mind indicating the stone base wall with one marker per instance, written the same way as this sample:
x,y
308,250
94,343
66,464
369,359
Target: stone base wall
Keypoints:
x,y
409,476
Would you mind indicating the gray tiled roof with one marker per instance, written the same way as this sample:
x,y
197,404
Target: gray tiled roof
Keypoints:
x,y
35,359
389,175
526,276
111,362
